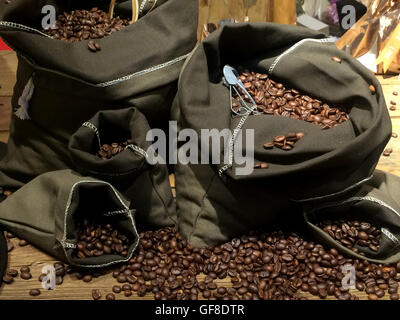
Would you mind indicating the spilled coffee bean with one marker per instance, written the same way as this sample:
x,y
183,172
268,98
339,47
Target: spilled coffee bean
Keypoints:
x,y
273,98
96,294
34,292
97,239
352,233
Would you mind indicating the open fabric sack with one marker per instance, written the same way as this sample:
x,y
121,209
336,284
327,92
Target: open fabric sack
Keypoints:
x,y
46,210
60,85
378,203
214,202
145,185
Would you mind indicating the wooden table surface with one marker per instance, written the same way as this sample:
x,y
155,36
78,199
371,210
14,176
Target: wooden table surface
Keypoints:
x,y
72,288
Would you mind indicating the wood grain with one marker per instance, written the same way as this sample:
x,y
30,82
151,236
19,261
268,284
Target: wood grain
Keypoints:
x,y
279,11
8,67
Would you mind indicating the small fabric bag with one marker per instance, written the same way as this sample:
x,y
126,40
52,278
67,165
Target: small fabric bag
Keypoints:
x,y
46,210
147,186
377,202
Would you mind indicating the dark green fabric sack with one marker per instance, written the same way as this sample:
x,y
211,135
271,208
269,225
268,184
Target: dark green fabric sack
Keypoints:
x,y
146,186
44,212
377,202
60,85
323,163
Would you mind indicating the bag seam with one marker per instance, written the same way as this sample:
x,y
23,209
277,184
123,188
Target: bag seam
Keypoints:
x,y
293,48
200,213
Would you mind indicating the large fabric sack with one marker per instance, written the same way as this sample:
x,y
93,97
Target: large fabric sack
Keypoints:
x,y
323,164
46,210
60,85
377,202
146,186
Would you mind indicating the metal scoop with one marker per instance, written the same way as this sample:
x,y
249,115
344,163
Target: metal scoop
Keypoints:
x,y
231,80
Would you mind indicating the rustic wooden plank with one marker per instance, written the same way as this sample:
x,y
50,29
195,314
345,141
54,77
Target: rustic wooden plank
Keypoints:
x,y
392,163
8,67
72,288
280,11
4,136
5,113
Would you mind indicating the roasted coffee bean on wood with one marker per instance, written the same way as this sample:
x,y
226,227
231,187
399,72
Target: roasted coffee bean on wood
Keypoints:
x,y
97,239
81,25
273,98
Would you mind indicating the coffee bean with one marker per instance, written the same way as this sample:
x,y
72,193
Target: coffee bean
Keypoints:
x,y
25,275
394,296
264,165
372,296
96,294
372,89
87,278
392,108
268,145
395,93
12,272
393,102
22,243
110,296
8,279
34,292
25,269
394,135
92,46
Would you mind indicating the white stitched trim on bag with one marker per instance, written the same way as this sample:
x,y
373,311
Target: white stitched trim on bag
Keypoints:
x,y
90,125
292,48
143,72
137,149
335,193
65,245
232,141
390,235
23,101
21,27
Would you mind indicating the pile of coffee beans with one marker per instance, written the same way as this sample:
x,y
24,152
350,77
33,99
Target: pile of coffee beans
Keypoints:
x,y
79,25
107,151
270,265
352,233
285,142
97,239
272,98
260,265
